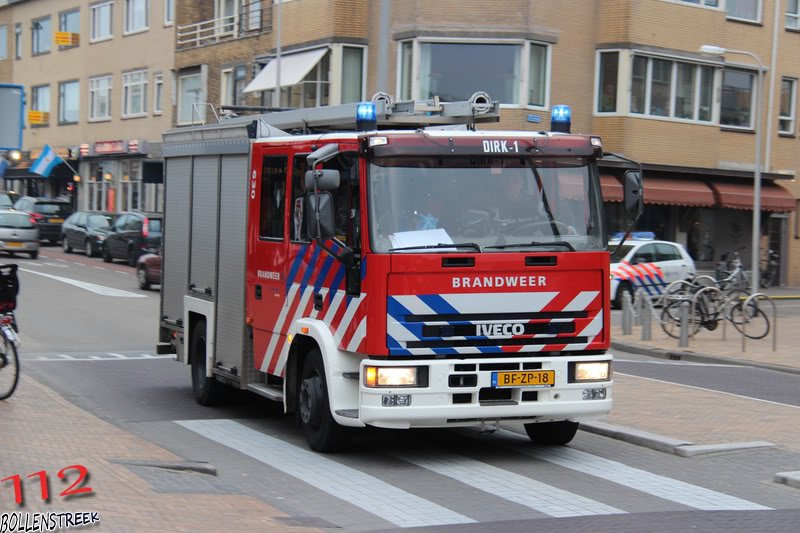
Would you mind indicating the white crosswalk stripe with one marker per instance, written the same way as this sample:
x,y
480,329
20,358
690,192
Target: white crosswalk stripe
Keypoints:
x,y
91,356
355,487
513,487
372,494
642,480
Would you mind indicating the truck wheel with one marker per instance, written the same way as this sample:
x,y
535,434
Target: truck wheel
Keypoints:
x,y
552,433
207,390
322,432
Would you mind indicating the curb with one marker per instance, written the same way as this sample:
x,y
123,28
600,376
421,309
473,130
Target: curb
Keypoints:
x,y
660,443
200,467
679,355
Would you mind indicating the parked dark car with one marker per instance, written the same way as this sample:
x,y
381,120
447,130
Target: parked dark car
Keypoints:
x,y
86,230
148,271
48,213
134,233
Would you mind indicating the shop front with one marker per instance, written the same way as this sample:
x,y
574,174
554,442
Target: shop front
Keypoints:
x,y
59,183
711,215
120,175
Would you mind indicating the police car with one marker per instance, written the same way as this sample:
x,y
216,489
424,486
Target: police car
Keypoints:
x,y
646,263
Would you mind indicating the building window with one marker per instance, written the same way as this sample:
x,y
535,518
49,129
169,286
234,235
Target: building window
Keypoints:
x,y
134,88
18,41
607,82
788,106
654,93
68,102
352,74
136,15
100,98
190,92
101,17
169,12
233,84
250,19
707,3
40,98
736,106
3,42
793,14
41,33
69,21
440,71
273,197
158,94
312,91
744,9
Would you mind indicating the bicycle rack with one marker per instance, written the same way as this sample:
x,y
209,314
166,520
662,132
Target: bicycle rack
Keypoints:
x,y
677,295
761,296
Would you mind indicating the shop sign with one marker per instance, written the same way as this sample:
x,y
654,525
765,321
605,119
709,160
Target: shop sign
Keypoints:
x,y
38,117
66,38
110,147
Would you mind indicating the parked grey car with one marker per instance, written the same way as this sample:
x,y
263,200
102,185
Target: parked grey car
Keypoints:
x,y
18,234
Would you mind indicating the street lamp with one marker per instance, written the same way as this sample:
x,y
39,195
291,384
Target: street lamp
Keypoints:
x,y
756,256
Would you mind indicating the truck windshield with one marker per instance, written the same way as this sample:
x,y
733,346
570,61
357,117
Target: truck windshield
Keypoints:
x,y
490,204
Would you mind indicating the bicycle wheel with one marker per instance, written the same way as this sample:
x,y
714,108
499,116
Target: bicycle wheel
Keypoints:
x,y
750,320
671,320
732,298
9,367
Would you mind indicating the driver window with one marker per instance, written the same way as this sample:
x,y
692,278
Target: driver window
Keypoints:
x,y
646,254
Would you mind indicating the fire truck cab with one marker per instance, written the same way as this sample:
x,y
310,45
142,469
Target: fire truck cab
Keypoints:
x,y
367,265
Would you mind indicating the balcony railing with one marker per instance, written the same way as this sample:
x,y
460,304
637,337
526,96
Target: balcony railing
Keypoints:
x,y
252,18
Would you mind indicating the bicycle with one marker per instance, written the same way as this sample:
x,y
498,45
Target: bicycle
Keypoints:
x,y
731,275
9,341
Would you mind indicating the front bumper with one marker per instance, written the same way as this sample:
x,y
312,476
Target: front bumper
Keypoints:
x,y
15,246
442,405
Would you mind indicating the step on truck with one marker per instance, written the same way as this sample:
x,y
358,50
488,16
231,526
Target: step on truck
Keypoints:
x,y
387,264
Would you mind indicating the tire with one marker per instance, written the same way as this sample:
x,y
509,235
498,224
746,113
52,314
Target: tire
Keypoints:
x,y
622,288
207,390
9,368
107,255
65,244
313,408
141,278
132,256
34,255
89,247
552,433
757,326
671,320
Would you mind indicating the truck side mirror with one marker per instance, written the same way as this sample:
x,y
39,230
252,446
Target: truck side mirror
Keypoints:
x,y
327,179
321,203
633,194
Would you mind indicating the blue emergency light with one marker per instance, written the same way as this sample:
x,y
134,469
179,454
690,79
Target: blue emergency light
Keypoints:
x,y
561,118
366,118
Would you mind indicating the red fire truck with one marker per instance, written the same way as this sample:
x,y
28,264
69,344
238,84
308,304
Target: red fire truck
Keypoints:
x,y
373,265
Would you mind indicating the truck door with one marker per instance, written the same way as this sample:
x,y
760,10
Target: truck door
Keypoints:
x,y
267,255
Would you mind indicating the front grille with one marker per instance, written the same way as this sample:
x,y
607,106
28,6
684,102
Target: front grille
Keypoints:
x,y
525,341
489,394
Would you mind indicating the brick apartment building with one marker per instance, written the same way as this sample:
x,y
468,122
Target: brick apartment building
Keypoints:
x,y
103,99
630,69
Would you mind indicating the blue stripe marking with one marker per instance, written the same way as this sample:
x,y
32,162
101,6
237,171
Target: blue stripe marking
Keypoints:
x,y
363,267
398,312
442,306
309,270
295,266
394,347
326,267
337,280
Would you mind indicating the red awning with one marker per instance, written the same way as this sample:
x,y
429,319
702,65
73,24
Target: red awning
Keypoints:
x,y
668,191
740,196
611,187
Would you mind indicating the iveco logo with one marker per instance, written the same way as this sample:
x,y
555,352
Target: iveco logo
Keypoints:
x,y
496,330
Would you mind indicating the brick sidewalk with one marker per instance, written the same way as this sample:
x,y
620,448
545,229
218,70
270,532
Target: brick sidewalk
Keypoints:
x,y
40,430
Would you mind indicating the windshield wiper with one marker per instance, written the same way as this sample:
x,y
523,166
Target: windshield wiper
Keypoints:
x,y
440,245
565,244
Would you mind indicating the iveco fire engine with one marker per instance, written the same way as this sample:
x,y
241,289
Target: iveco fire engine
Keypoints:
x,y
372,264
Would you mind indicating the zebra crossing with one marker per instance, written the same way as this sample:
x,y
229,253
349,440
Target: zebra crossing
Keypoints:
x,y
49,357
428,487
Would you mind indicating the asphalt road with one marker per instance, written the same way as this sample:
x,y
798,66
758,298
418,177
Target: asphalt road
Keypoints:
x,y
90,334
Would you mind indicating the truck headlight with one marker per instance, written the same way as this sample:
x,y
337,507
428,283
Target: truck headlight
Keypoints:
x,y
593,371
394,376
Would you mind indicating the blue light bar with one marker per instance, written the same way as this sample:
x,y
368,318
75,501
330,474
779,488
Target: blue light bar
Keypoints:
x,y
561,114
365,111
561,118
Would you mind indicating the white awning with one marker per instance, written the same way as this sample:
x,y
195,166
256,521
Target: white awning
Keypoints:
x,y
294,67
